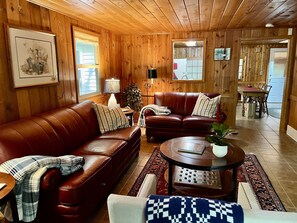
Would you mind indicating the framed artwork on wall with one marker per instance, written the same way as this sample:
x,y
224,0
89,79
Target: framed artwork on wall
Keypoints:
x,y
222,53
33,57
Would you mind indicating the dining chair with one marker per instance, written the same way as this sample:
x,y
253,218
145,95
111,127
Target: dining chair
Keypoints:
x,y
266,88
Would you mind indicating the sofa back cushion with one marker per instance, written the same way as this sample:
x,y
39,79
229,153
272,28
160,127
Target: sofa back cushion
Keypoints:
x,y
181,103
32,136
53,133
70,127
86,111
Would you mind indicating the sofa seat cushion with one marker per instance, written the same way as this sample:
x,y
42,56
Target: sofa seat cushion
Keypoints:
x,y
123,134
198,122
90,180
168,121
106,147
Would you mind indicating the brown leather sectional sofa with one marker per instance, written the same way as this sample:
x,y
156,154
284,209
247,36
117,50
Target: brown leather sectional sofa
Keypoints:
x,y
179,122
71,130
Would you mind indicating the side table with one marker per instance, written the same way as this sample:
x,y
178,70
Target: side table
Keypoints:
x,y
129,114
7,194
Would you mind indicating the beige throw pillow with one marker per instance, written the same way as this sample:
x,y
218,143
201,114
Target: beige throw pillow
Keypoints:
x,y
206,106
110,119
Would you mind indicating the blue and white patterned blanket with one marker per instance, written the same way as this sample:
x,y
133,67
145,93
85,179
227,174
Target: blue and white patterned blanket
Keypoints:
x,y
176,209
28,171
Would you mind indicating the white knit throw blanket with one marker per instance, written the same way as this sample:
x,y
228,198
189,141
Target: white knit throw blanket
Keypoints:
x,y
157,109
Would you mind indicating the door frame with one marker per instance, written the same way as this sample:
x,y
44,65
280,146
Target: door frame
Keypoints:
x,y
288,80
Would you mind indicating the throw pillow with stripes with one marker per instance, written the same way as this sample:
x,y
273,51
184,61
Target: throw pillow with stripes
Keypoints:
x,y
110,119
206,106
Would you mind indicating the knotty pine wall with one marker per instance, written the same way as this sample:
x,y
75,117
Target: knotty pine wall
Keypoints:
x,y
256,62
126,57
139,52
24,102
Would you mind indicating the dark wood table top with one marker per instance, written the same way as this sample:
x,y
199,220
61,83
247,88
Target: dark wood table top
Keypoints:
x,y
206,161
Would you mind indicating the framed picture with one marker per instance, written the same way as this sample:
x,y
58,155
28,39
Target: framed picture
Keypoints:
x,y
222,53
33,57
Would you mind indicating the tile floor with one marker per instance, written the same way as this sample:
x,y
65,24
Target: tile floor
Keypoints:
x,y
276,152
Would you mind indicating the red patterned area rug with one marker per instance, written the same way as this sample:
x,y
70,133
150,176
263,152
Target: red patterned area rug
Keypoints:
x,y
251,171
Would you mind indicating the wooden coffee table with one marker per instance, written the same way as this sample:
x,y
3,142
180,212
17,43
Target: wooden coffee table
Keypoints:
x,y
7,194
207,161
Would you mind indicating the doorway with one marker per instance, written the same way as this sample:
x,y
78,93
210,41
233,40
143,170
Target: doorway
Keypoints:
x,y
262,75
276,78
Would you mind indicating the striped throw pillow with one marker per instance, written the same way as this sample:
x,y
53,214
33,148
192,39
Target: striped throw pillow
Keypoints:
x,y
110,119
206,106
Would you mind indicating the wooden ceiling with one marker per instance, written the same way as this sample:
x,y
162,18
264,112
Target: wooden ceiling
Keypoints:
x,y
167,16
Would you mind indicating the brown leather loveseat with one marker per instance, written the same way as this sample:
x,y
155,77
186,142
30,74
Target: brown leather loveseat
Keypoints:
x,y
71,130
180,122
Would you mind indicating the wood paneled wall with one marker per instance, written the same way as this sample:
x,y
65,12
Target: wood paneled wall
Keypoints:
x,y
126,57
256,62
24,102
139,52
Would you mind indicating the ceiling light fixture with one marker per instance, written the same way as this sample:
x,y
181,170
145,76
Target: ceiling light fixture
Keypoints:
x,y
269,25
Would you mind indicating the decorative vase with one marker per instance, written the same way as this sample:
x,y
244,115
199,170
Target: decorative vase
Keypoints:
x,y
219,151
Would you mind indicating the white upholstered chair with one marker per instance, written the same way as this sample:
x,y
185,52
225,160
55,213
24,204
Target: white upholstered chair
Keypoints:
x,y
128,209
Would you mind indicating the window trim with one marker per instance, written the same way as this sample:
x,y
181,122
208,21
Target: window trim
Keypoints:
x,y
77,66
203,40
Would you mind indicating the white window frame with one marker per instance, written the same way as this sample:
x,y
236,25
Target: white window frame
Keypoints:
x,y
90,37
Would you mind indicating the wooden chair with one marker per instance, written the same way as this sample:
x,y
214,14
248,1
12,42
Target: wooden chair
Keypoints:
x,y
267,88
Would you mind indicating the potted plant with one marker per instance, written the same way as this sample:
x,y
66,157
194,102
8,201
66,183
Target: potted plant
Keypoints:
x,y
219,144
132,97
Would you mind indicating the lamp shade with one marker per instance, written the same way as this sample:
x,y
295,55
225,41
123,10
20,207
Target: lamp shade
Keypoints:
x,y
112,86
152,73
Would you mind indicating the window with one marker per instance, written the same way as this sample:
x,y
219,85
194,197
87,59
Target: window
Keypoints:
x,y
188,60
87,63
240,69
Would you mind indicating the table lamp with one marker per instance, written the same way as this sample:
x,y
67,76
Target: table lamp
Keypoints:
x,y
112,86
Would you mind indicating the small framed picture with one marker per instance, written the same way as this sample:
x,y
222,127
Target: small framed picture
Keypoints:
x,y
222,53
33,57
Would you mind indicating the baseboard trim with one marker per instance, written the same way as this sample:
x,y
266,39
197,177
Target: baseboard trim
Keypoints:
x,y
292,132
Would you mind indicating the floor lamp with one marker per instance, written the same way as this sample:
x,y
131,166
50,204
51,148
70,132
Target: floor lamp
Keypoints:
x,y
112,86
151,74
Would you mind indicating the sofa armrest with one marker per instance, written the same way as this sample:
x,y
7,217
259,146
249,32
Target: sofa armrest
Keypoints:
x,y
51,180
261,216
148,186
220,115
148,113
246,197
126,209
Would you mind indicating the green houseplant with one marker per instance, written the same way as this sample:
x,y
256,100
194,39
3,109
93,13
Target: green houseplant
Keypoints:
x,y
131,97
219,144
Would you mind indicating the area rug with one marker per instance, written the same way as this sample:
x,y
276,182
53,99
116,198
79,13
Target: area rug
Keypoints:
x,y
251,171
275,112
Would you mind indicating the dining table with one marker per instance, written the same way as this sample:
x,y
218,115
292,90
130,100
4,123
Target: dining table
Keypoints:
x,y
249,92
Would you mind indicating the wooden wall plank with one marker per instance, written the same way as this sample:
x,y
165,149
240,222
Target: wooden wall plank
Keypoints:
x,y
221,76
8,99
24,102
126,56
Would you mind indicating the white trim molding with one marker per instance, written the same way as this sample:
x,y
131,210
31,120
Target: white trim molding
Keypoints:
x,y
292,132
